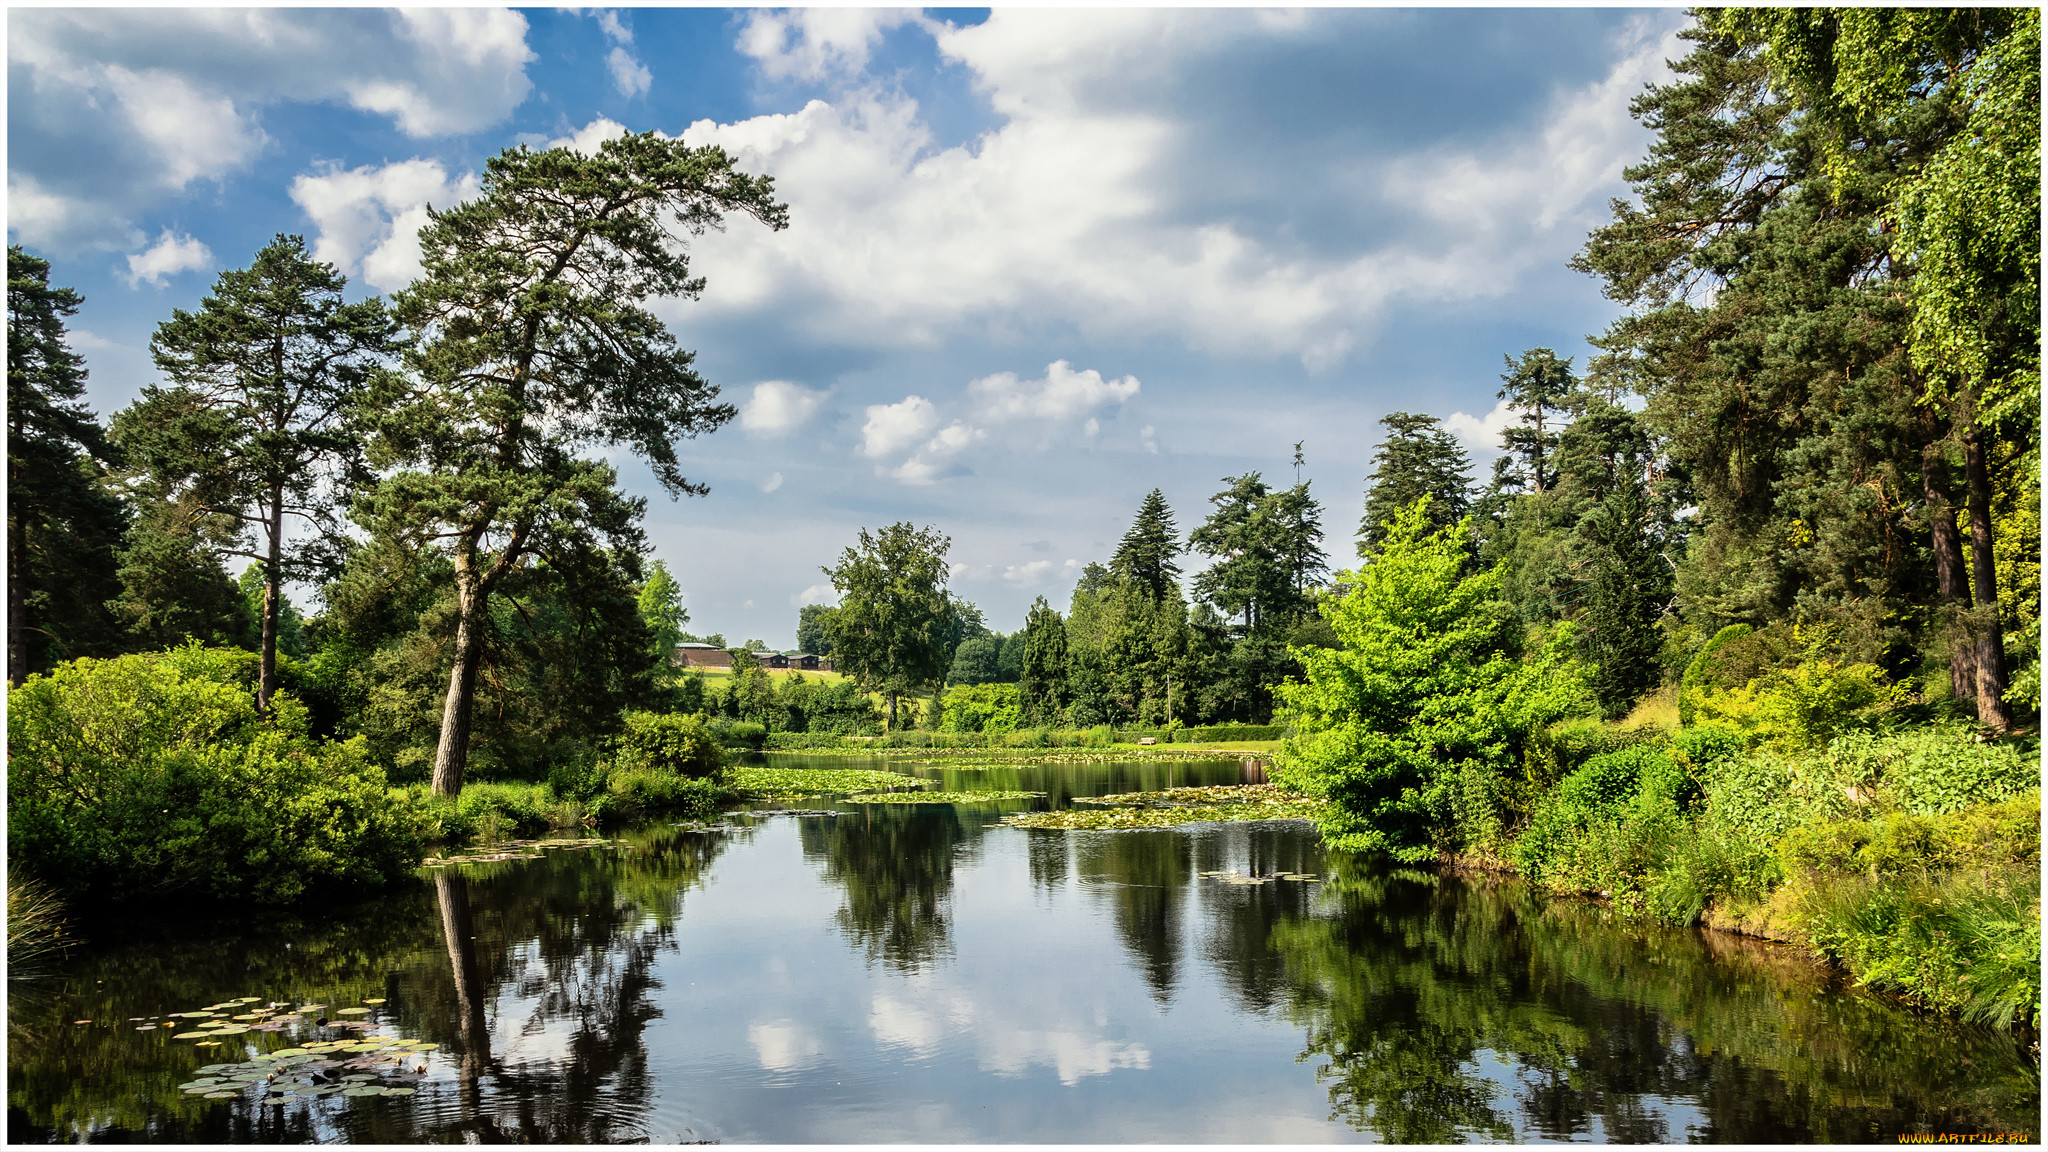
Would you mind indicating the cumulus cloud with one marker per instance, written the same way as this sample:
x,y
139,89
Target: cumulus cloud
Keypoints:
x,y
112,111
1481,434
367,220
1076,208
815,594
778,407
629,76
585,140
910,428
773,482
170,255
816,44
1027,575
1060,394
892,428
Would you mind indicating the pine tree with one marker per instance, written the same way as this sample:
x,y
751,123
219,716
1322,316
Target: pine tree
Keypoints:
x,y
63,524
1146,554
1537,386
1418,458
257,427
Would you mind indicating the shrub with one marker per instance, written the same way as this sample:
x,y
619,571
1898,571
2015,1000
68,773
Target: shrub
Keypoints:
x,y
151,775
496,811
1931,770
739,734
1600,824
633,793
990,708
1805,706
679,744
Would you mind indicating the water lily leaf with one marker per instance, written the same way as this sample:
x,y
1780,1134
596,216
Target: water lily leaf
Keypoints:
x,y
351,1011
222,1095
363,1090
310,1007
145,1027
424,1047
191,1035
203,1082
283,1052
229,1030
400,1091
215,1068
377,1000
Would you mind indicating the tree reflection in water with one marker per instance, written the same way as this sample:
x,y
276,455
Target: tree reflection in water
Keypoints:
x,y
894,863
1144,877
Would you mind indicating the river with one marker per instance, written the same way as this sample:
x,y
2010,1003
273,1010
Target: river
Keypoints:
x,y
921,973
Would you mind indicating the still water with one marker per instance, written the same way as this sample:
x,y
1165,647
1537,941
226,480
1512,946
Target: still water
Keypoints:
x,y
920,973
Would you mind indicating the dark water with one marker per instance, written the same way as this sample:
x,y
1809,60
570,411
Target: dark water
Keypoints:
x,y
917,973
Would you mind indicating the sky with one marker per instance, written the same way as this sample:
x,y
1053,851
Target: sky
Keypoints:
x,y
1039,261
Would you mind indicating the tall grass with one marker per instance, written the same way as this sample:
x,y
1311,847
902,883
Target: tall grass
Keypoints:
x,y
35,928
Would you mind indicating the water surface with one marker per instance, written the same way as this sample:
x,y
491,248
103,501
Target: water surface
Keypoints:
x,y
919,973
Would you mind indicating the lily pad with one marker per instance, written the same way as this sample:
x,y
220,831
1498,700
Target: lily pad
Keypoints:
x,y
377,1000
222,1095
229,1030
400,1091
424,1047
363,1090
191,1035
351,1011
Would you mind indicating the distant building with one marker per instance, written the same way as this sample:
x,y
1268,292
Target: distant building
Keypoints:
x,y
810,663
702,656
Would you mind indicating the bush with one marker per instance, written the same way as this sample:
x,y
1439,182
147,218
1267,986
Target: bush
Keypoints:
x,y
679,744
500,811
990,708
1931,770
633,793
1600,826
744,735
1805,706
151,775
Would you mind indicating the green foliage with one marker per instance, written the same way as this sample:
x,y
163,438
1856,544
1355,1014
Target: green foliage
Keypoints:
x,y
814,629
976,661
151,776
1429,678
63,524
1042,684
291,626
1417,460
1805,706
741,734
635,792
1602,821
1536,385
682,745
1265,545
661,609
890,630
990,708
1145,555
1931,771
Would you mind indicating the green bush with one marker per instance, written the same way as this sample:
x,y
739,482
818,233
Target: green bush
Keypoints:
x,y
151,775
679,744
1931,770
988,708
500,811
1604,821
1100,736
739,734
1805,706
634,793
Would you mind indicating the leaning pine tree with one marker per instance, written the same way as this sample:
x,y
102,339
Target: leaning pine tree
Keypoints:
x,y
533,343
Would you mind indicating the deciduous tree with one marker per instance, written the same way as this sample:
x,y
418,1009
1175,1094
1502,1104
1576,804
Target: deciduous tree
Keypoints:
x,y
894,621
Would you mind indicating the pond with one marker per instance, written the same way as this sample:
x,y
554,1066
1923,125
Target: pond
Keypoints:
x,y
922,973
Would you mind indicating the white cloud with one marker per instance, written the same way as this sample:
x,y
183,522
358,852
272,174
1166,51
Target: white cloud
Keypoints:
x,y
585,140
170,255
1028,575
815,594
773,482
1147,440
1481,434
1060,395
1076,209
892,428
778,407
367,220
815,44
629,76
111,111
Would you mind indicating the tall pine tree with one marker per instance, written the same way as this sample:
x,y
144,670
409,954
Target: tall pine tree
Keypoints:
x,y
1146,554
1418,458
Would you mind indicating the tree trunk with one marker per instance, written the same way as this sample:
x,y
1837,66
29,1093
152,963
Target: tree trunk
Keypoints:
x,y
1992,709
266,681
1950,573
17,653
453,752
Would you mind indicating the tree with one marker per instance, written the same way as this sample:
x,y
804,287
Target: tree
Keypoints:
x,y
661,606
1418,458
892,627
1537,385
63,524
1628,591
976,661
291,626
1428,704
1042,679
814,629
1966,208
1246,577
257,426
533,343
1146,553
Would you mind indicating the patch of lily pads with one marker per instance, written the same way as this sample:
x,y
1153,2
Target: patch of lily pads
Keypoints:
x,y
941,797
1252,878
784,783
1235,803
350,1064
514,850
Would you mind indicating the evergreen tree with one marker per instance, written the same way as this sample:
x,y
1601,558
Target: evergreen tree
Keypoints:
x,y
63,524
1628,590
534,344
1147,551
257,426
291,626
1537,386
1418,458
1042,679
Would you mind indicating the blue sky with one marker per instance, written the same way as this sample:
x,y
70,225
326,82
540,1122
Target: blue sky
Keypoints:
x,y
1039,263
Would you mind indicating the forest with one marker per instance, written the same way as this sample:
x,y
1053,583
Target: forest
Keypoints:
x,y
1742,628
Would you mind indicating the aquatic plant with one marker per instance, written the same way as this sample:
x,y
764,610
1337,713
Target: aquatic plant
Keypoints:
x,y
771,783
1226,802
940,797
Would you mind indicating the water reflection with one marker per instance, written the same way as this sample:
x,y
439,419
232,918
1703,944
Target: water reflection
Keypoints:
x,y
912,972
894,863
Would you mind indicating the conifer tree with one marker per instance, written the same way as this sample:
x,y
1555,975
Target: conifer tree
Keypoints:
x,y
1418,458
1536,385
63,524
257,427
1146,554
1042,685
534,343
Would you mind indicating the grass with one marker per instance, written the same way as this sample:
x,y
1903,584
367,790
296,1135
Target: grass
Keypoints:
x,y
35,927
1225,803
